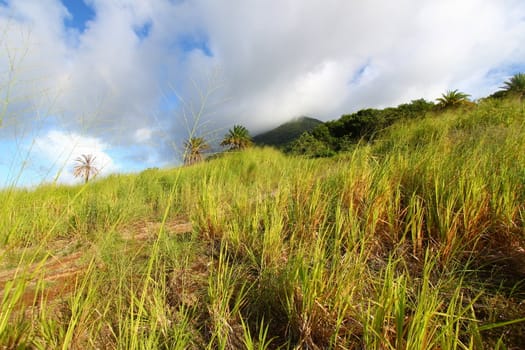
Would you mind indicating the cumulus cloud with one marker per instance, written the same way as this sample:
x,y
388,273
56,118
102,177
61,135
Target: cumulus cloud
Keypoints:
x,y
60,150
279,59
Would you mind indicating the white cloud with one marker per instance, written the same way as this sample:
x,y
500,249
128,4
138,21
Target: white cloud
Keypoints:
x,y
414,49
59,150
142,135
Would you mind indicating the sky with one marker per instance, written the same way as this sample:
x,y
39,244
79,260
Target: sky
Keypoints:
x,y
128,80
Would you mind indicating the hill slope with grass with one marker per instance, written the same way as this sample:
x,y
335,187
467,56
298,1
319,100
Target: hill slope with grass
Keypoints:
x,y
413,241
286,132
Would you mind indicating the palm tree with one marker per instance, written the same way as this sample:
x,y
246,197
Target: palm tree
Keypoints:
x,y
86,167
237,138
453,98
193,149
515,85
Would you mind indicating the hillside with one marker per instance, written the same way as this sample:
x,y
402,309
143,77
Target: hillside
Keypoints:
x,y
286,132
364,125
413,241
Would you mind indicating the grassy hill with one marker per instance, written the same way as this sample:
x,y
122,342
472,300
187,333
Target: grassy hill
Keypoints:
x,y
286,132
414,241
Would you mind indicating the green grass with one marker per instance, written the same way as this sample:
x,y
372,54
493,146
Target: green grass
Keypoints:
x,y
413,242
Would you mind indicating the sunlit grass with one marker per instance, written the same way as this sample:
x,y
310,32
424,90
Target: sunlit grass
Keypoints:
x,y
413,242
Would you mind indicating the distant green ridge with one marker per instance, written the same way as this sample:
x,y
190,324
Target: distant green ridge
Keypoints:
x,y
286,132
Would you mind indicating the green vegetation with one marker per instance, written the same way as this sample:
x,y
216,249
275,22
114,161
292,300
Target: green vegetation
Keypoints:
x,y
515,86
412,241
512,88
193,150
287,132
343,134
308,145
237,138
453,99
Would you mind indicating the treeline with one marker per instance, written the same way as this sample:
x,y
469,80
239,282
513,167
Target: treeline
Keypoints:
x,y
343,134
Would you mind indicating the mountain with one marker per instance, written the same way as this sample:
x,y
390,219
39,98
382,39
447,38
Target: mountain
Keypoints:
x,y
286,132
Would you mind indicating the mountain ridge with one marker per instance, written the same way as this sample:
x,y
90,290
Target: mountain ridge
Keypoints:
x,y
286,132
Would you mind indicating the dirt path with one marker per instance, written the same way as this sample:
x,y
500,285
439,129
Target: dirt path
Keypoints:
x,y
59,273
143,231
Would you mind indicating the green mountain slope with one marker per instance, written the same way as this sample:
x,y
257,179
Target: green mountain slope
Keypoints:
x,y
286,132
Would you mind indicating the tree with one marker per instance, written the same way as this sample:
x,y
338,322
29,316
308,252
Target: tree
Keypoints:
x,y
515,86
85,167
237,138
307,145
414,109
193,150
453,98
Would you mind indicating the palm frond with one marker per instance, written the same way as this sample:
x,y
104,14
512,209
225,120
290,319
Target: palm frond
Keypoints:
x,y
515,85
193,150
453,98
237,138
86,167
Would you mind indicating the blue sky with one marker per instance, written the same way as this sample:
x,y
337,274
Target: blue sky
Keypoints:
x,y
125,79
80,13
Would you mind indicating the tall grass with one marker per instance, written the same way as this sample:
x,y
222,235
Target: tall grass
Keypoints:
x,y
413,242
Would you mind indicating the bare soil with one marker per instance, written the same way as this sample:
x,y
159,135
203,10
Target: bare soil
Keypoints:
x,y
60,270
